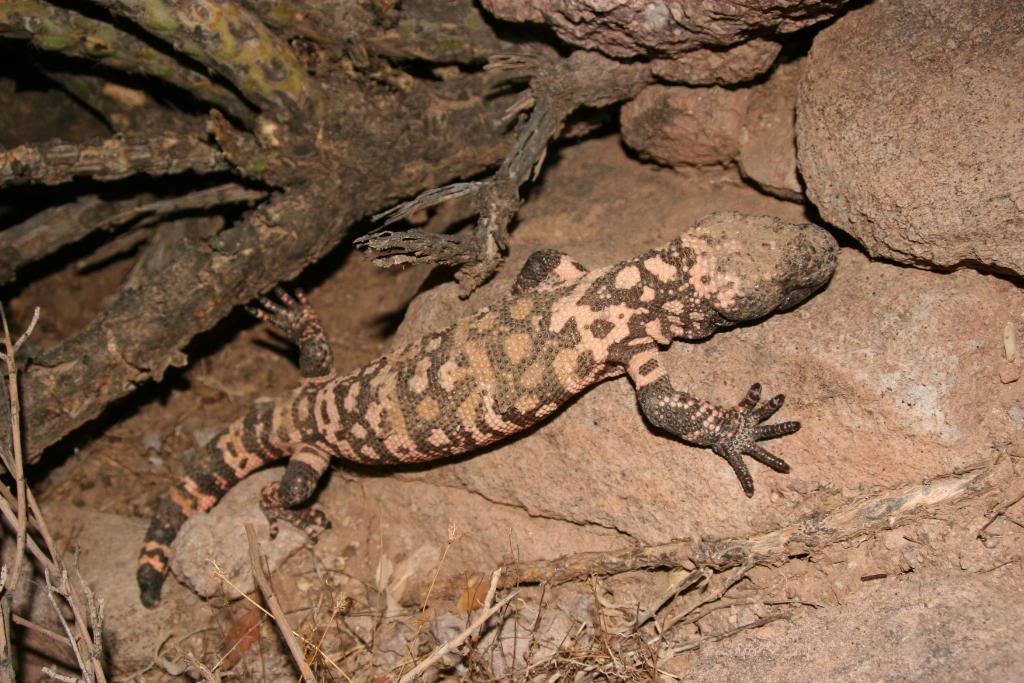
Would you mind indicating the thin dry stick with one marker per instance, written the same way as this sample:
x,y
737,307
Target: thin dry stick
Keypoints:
x,y
1000,511
219,573
697,642
50,560
685,583
456,641
7,505
275,607
698,613
203,671
50,590
341,607
18,470
52,635
491,590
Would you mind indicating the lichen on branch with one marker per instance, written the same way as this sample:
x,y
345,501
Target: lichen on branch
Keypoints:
x,y
232,43
55,29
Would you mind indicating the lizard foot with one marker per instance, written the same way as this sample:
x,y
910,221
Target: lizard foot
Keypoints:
x,y
311,520
742,440
291,315
298,322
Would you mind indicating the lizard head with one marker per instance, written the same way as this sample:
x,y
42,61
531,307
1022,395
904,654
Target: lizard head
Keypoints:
x,y
746,267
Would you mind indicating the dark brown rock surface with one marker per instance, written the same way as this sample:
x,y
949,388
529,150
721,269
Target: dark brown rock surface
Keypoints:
x,y
637,28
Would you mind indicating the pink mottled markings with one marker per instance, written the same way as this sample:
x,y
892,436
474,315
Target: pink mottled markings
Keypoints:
x,y
503,369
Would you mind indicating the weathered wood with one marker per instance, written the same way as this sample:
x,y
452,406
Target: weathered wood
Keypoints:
x,y
383,149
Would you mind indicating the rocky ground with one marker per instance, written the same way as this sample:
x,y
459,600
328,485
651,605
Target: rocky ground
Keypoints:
x,y
891,551
892,390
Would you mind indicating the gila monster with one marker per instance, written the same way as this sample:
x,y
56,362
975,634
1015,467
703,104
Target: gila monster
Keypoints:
x,y
508,366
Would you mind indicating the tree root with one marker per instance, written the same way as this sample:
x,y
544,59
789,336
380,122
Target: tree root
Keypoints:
x,y
851,520
57,227
234,44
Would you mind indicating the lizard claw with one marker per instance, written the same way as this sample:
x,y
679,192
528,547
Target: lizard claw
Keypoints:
x,y
310,520
291,315
749,430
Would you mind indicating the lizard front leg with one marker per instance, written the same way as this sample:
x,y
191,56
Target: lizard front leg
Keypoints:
x,y
730,432
546,269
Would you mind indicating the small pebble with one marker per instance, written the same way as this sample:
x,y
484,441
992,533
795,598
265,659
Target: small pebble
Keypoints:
x,y
1009,372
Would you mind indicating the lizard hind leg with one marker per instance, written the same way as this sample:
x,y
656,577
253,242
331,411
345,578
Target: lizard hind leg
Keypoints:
x,y
285,500
546,269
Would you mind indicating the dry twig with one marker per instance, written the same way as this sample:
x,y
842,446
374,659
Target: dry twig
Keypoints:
x,y
558,87
856,518
283,627
456,641
55,162
85,638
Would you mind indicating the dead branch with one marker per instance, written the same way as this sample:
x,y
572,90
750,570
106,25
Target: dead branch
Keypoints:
x,y
6,637
233,43
851,520
695,643
684,583
257,561
59,226
120,156
79,655
52,28
558,87
1014,496
139,335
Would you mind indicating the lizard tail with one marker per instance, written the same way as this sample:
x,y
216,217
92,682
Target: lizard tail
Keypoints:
x,y
247,445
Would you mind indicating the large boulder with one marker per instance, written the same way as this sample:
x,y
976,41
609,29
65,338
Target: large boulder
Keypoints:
x,y
696,42
645,28
680,126
910,126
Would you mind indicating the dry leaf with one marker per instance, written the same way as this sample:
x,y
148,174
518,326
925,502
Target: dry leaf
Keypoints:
x,y
243,634
473,597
